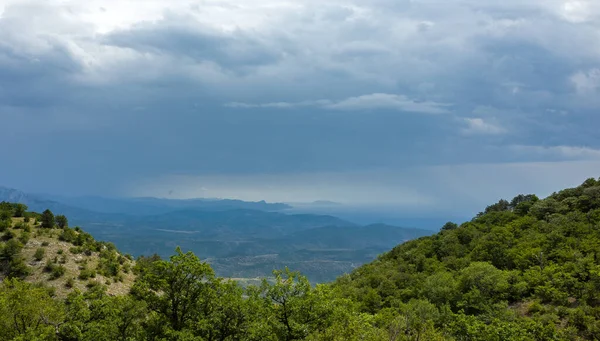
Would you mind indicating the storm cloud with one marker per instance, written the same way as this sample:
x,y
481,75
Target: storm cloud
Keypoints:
x,y
133,97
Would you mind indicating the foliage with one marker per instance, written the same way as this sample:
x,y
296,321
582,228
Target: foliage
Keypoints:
x,y
482,275
27,312
47,219
61,221
524,269
39,254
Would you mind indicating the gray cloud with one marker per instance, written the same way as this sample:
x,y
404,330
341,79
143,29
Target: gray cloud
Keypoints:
x,y
107,96
376,101
476,125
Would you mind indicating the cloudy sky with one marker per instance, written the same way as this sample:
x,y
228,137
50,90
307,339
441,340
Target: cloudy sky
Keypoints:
x,y
430,104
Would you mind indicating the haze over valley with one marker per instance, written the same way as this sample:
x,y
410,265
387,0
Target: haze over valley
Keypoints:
x,y
239,239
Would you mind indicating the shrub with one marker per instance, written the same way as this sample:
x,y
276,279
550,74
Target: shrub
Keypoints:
x,y
4,225
45,243
92,284
61,221
68,235
86,274
76,250
19,210
39,254
17,268
56,271
20,225
70,283
24,237
8,235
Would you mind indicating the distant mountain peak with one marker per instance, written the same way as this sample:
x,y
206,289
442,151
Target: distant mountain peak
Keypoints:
x,y
13,195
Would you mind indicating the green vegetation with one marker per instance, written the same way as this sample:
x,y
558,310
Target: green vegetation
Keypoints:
x,y
48,221
525,269
39,254
61,221
55,270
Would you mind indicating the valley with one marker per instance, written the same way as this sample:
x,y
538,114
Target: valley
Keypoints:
x,y
239,239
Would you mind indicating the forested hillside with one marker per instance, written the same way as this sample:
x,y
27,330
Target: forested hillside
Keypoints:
x,y
527,269
524,269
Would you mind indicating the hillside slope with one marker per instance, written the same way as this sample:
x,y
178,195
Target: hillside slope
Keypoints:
x,y
60,258
527,269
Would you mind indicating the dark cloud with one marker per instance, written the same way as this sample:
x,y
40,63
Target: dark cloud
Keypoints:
x,y
182,37
94,104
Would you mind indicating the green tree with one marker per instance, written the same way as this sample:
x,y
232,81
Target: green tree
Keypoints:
x,y
48,219
19,210
449,226
27,312
178,290
297,310
61,221
226,316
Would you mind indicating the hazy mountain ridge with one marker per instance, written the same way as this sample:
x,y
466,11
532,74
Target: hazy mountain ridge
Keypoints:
x,y
237,240
153,206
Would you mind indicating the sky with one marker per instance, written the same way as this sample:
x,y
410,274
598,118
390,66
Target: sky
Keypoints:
x,y
420,105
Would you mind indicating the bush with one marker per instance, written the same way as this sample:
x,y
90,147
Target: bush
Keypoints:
x,y
17,268
21,225
70,283
5,224
24,237
19,210
56,271
68,235
10,249
92,284
45,243
39,254
86,274
76,250
61,221
8,235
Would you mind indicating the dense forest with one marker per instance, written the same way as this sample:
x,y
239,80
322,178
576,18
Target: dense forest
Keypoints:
x,y
524,269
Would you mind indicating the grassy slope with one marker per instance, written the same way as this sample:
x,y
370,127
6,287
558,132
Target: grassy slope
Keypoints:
x,y
72,262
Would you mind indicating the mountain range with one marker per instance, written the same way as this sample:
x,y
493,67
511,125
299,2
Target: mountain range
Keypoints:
x,y
240,239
